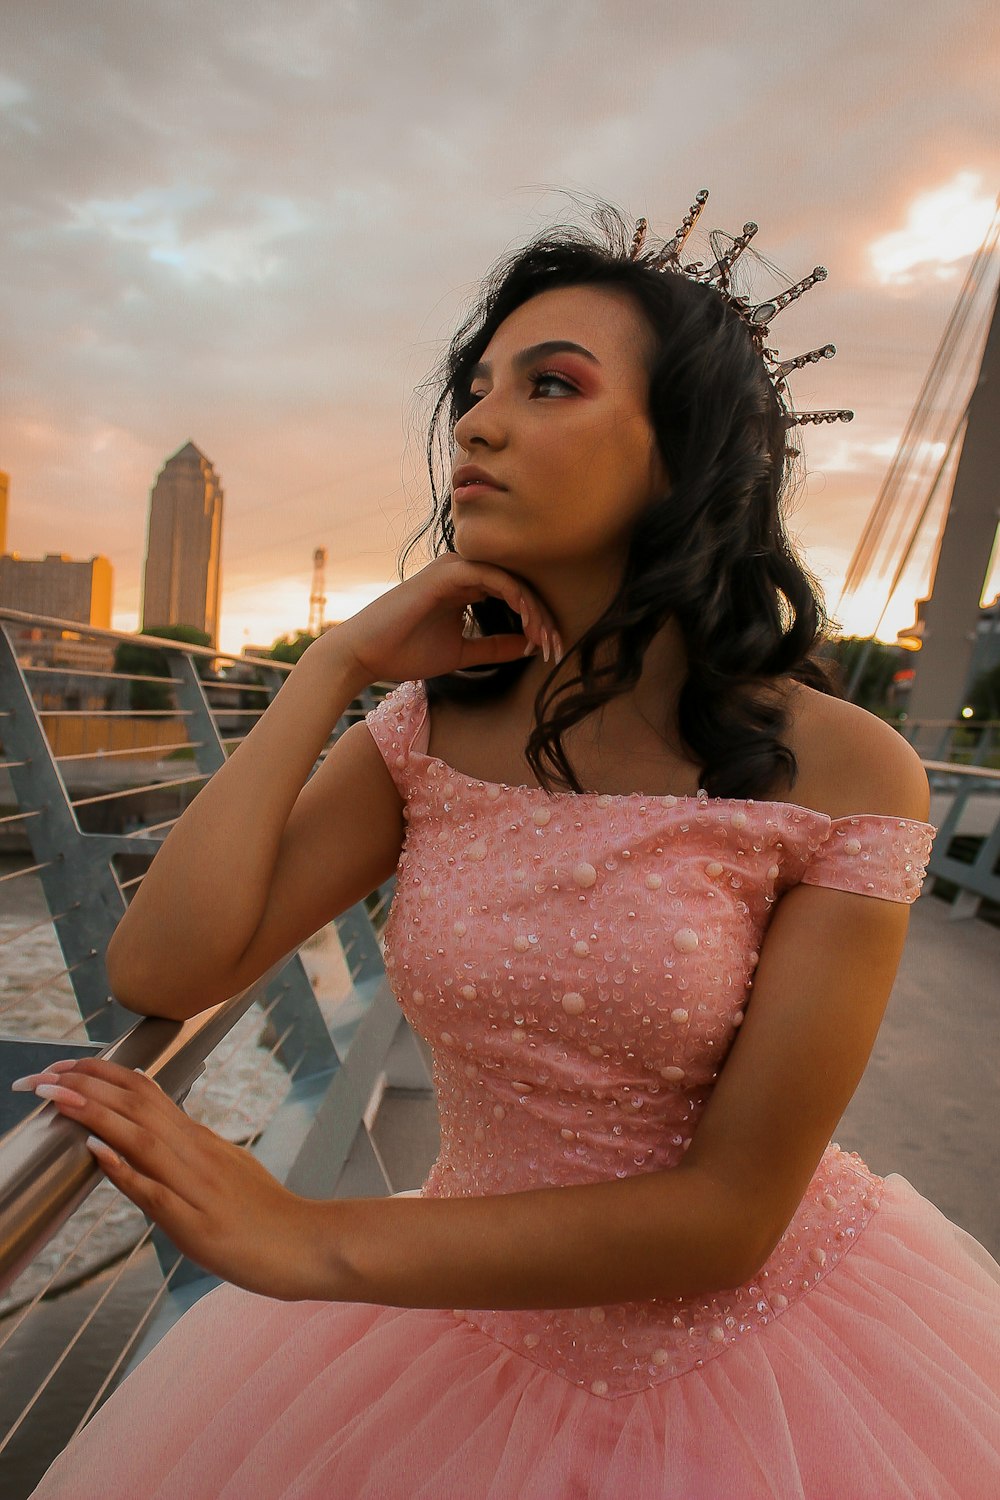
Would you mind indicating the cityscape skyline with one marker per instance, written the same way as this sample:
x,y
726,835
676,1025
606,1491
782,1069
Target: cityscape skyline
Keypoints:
x,y
268,253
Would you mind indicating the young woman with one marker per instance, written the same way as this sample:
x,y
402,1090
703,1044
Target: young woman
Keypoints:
x,y
653,883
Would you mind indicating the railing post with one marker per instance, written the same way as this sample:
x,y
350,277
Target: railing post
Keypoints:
x,y
983,745
80,887
189,692
943,743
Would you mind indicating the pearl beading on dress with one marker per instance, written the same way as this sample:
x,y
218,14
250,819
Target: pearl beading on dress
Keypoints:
x,y
579,966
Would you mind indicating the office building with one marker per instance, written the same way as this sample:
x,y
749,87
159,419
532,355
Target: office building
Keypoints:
x,y
58,586
181,580
61,588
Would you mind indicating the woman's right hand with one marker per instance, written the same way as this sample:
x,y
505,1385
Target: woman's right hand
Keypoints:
x,y
416,629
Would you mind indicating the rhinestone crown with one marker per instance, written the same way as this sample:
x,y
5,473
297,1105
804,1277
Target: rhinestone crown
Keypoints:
x,y
757,317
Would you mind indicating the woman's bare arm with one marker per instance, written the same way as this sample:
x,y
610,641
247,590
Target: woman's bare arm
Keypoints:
x,y
178,947
262,858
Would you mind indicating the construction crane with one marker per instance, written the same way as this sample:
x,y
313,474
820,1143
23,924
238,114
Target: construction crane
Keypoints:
x,y
317,599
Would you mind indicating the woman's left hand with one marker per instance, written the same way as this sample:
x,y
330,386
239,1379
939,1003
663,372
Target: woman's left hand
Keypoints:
x,y
217,1203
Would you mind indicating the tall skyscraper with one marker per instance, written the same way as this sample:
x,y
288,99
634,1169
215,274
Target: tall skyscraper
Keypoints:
x,y
181,582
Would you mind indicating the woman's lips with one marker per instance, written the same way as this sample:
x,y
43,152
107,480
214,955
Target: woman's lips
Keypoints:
x,y
478,487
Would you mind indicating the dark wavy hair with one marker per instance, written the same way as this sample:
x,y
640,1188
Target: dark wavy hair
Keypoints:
x,y
712,552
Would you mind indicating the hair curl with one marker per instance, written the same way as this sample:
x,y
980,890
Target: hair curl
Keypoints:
x,y
713,552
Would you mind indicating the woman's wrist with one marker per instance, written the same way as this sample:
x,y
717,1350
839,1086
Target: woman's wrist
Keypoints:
x,y
316,1252
332,655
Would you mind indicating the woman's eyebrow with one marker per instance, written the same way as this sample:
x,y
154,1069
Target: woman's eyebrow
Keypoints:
x,y
536,351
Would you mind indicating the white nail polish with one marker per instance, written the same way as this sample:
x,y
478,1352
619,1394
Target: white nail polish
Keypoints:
x,y
26,1085
56,1091
102,1150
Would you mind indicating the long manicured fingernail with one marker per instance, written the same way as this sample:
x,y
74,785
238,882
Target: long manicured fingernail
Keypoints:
x,y
60,1095
558,646
529,648
103,1151
545,643
26,1084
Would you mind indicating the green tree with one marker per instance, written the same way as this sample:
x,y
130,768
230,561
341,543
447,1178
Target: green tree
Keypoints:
x,y
882,661
289,649
984,695
147,661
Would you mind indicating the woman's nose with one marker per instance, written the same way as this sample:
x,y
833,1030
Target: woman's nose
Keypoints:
x,y
483,423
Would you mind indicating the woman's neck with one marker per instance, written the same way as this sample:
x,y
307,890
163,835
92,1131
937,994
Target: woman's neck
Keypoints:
x,y
651,703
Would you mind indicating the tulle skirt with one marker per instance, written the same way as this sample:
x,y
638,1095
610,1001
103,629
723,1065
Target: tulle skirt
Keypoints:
x,y
881,1382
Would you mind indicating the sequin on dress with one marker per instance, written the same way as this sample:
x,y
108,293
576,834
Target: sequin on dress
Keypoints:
x,y
579,966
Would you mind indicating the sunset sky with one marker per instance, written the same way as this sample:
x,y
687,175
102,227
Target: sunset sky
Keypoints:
x,y
256,225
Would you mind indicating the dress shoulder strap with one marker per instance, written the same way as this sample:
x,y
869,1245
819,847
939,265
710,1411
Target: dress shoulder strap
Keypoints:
x,y
874,855
399,726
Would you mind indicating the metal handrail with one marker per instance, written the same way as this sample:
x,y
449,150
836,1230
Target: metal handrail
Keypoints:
x,y
134,638
956,768
46,1171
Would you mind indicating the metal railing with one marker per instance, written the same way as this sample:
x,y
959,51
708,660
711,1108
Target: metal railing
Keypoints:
x,y
965,807
78,829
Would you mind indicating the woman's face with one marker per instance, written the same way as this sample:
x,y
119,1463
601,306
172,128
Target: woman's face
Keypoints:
x,y
565,432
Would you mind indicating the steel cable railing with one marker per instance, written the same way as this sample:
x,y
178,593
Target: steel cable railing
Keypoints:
x,y
127,750
45,1182
17,874
48,979
161,1291
113,1283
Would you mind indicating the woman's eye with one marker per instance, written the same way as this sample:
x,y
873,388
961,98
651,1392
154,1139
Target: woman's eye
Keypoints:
x,y
545,377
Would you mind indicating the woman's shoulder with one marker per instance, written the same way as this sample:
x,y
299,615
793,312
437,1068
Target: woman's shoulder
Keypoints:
x,y
854,761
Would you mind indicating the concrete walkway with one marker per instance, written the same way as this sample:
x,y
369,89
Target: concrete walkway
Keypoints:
x,y
929,1103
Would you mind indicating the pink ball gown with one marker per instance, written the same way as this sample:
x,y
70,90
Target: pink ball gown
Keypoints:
x,y
579,966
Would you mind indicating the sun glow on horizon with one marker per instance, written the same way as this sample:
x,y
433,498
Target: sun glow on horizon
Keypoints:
x,y
944,227
258,614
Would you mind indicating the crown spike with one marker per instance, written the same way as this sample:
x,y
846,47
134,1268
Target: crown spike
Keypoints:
x,y
821,416
720,271
779,373
672,249
766,311
756,317
639,238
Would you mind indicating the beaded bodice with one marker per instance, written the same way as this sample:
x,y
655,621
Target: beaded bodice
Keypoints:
x,y
579,965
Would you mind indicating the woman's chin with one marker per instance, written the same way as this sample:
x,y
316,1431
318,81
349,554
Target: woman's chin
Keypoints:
x,y
475,545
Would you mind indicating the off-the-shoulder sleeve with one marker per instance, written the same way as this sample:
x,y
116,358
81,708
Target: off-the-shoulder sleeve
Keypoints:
x,y
394,725
874,855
